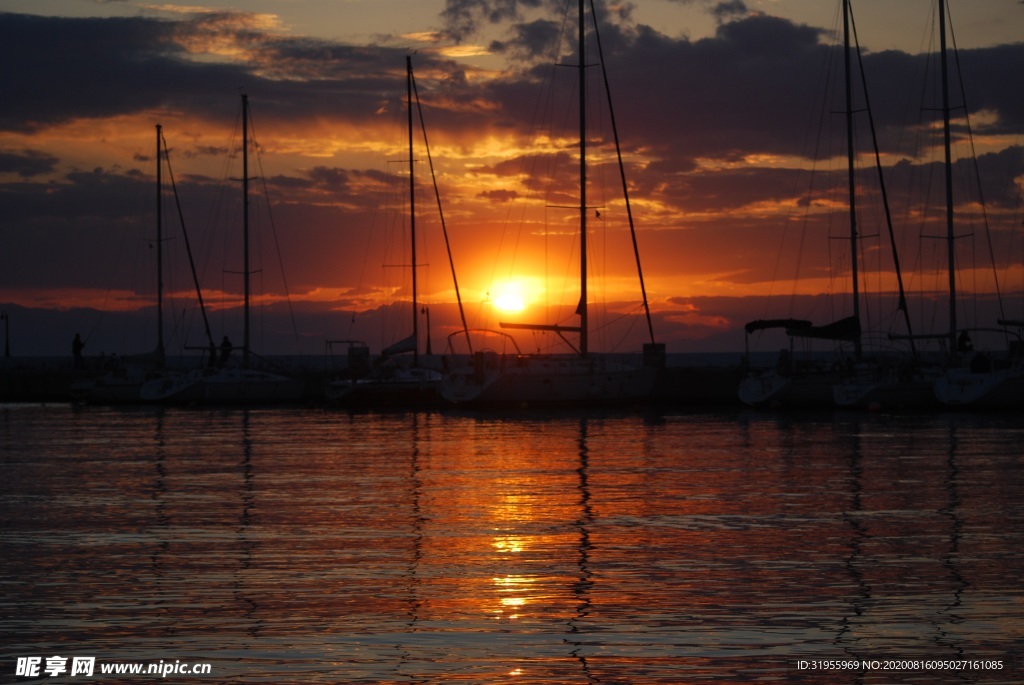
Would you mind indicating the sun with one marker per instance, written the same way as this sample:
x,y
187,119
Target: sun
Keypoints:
x,y
514,295
509,299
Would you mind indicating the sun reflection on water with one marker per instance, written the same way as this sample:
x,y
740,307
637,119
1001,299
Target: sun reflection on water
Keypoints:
x,y
509,544
512,591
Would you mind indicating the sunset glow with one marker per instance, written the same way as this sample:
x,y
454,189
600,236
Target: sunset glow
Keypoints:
x,y
736,166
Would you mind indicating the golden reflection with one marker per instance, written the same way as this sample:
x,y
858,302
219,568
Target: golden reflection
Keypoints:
x,y
509,544
512,593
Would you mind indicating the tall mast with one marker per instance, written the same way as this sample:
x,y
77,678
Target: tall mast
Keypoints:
x,y
950,236
582,308
412,212
622,175
245,227
851,173
159,253
440,214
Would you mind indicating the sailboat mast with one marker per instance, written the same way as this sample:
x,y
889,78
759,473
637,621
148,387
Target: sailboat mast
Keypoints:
x,y
851,173
159,252
582,308
622,175
245,228
444,228
412,212
950,236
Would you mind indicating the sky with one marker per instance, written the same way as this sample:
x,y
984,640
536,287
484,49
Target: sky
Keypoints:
x,y
732,126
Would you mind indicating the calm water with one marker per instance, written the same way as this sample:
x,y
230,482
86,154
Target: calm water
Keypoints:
x,y
315,546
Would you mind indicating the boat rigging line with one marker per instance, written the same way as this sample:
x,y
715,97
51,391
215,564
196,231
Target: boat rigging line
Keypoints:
x,y
437,195
622,172
184,232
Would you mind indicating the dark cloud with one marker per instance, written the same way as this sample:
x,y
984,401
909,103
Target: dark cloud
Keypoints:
x,y
26,163
528,41
463,18
728,10
90,68
749,89
96,68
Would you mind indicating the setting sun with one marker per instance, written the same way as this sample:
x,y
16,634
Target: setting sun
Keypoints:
x,y
510,302
514,295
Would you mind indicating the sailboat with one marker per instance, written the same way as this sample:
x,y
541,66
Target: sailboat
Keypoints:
x,y
122,384
854,378
810,383
246,384
225,383
974,378
884,381
392,381
984,382
583,378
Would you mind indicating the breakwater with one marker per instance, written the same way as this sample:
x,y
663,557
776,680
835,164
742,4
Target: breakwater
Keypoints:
x,y
687,380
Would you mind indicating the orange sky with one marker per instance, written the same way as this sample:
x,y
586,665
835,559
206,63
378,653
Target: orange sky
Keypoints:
x,y
733,149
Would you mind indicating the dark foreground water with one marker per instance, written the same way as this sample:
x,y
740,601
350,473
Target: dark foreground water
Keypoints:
x,y
314,546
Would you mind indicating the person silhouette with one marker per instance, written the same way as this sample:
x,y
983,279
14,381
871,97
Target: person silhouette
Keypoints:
x,y
76,351
963,343
225,350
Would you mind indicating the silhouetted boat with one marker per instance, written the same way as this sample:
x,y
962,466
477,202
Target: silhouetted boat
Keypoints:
x,y
852,377
981,385
226,383
975,378
121,384
582,378
794,382
394,379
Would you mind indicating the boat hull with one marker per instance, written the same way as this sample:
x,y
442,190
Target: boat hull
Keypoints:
x,y
1000,389
524,381
913,394
772,389
405,388
249,386
873,386
118,386
179,388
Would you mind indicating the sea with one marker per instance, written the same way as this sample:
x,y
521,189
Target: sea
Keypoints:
x,y
317,545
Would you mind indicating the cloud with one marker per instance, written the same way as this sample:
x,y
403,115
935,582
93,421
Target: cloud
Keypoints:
x,y
528,41
463,18
96,68
718,134
746,90
26,163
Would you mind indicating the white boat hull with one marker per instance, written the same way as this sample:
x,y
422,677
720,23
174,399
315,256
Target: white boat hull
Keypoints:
x,y
1003,388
